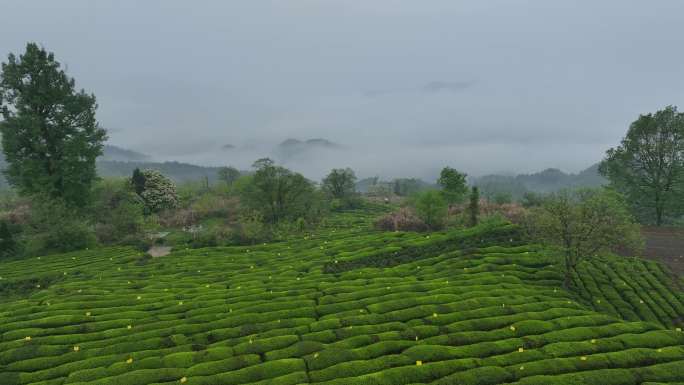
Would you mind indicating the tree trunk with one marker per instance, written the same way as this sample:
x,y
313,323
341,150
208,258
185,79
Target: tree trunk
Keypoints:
x,y
659,209
659,214
568,273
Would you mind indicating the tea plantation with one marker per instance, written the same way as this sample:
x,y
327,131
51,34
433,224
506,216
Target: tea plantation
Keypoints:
x,y
345,305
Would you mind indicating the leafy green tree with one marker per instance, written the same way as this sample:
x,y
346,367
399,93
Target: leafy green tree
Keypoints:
x,y
50,136
407,186
584,223
138,181
8,243
117,211
474,206
648,166
228,174
340,183
277,192
453,184
431,208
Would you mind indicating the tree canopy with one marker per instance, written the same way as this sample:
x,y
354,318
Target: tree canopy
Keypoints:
x,y
340,183
50,136
431,208
228,174
648,166
454,187
277,192
583,223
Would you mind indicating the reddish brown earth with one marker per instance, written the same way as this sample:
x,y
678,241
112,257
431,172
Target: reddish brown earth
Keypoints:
x,y
665,244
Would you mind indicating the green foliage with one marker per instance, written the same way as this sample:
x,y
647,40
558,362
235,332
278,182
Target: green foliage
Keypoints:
x,y
276,192
56,227
648,166
213,204
584,223
339,183
138,181
50,136
118,213
532,199
251,229
9,246
408,186
474,206
431,208
501,198
453,184
228,175
472,306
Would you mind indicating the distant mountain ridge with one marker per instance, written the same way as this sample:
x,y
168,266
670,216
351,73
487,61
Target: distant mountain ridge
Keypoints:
x,y
115,153
546,181
294,148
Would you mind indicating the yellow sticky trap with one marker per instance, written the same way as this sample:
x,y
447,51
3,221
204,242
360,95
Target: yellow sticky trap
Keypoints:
x,y
520,350
660,350
419,363
180,302
129,361
88,314
522,368
583,358
183,380
76,348
593,341
139,297
129,327
512,328
434,314
28,338
678,329
315,355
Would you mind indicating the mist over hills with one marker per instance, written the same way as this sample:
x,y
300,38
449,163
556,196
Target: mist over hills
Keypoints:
x,y
120,162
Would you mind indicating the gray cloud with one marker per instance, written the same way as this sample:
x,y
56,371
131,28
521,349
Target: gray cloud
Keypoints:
x,y
406,86
431,87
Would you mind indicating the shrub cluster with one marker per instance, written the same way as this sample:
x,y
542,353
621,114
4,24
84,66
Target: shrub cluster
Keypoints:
x,y
404,219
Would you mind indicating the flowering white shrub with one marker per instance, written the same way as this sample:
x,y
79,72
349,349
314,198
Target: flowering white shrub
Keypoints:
x,y
160,191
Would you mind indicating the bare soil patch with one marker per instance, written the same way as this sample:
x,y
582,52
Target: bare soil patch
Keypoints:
x,y
159,251
665,244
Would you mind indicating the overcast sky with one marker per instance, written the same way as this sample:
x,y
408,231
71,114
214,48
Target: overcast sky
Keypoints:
x,y
407,86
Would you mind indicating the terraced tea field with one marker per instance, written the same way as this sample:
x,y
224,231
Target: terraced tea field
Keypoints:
x,y
347,305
